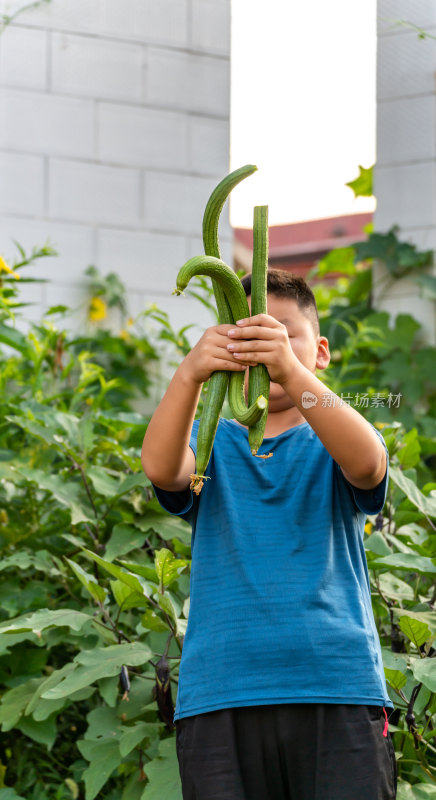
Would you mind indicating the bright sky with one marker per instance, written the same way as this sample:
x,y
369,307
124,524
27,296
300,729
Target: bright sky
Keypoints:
x,y
303,106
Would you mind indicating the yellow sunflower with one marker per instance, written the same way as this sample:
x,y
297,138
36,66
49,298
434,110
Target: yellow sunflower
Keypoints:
x,y
5,268
97,309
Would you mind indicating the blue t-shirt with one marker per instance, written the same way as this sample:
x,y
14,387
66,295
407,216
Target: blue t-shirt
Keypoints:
x,y
280,596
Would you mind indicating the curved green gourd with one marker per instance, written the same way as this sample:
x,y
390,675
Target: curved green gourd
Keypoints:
x,y
242,413
231,286
259,381
219,380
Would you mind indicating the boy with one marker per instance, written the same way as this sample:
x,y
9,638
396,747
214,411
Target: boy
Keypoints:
x,y
281,691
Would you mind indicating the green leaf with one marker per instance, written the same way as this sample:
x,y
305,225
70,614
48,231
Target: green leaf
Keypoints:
x,y
394,661
105,757
404,332
341,259
393,587
400,258
428,283
167,605
139,479
9,794
409,454
417,632
362,185
152,622
426,617
15,701
168,568
108,689
45,432
395,678
424,671
137,585
166,526
67,493
147,572
422,791
125,598
14,338
89,581
411,563
136,734
103,722
42,619
376,543
45,685
124,539
102,482
44,732
101,662
427,505
163,774
405,791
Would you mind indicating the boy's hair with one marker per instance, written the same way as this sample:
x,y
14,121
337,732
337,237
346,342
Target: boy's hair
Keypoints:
x,y
282,283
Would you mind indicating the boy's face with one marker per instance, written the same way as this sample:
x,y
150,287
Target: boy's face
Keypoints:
x,y
310,348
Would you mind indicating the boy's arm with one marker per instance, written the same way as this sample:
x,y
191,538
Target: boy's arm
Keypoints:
x,y
166,457
347,436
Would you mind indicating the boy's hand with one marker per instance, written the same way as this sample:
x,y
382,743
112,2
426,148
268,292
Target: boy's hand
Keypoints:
x,y
263,340
210,354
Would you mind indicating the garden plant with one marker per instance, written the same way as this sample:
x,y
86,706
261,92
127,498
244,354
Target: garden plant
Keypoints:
x,y
95,576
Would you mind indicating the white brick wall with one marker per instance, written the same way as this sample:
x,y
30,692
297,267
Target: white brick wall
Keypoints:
x,y
421,12
88,65
211,26
22,181
94,193
405,174
143,137
23,58
175,202
404,66
144,260
184,80
35,122
164,22
114,128
406,130
209,145
74,243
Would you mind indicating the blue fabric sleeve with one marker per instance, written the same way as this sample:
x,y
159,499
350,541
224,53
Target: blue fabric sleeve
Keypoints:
x,y
177,503
371,501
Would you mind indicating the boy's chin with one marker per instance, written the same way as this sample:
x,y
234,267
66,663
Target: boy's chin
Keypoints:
x,y
278,399
276,390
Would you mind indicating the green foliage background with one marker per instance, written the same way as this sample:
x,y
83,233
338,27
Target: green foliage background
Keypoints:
x,y
94,593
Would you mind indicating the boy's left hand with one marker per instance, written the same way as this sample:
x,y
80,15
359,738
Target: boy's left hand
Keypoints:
x,y
263,340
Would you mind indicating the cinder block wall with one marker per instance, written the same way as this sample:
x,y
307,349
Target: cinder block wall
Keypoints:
x,y
114,128
405,174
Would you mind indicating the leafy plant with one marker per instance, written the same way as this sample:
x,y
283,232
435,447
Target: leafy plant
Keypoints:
x,y
94,595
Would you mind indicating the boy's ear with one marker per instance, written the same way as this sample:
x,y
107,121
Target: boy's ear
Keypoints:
x,y
323,353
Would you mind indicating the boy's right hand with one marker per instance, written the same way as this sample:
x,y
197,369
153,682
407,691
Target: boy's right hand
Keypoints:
x,y
209,355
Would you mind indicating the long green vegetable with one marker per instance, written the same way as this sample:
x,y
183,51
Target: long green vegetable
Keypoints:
x,y
259,381
245,415
219,380
232,287
232,305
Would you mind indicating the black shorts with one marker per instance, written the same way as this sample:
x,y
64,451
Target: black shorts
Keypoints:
x,y
298,751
